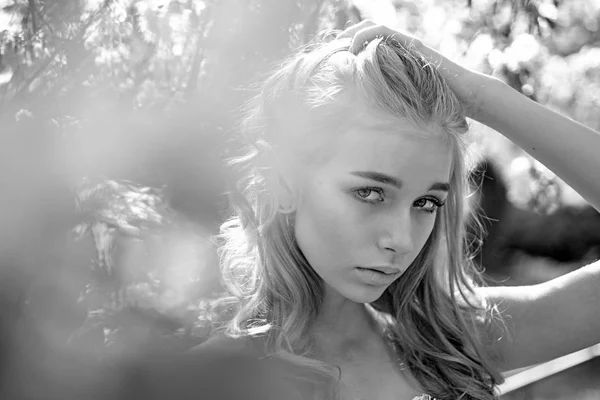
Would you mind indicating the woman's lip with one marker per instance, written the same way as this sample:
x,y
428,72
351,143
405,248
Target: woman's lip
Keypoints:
x,y
372,276
384,270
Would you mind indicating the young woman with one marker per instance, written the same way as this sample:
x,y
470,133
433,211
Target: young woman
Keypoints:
x,y
347,257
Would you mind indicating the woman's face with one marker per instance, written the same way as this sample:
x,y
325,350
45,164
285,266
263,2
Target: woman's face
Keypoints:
x,y
364,214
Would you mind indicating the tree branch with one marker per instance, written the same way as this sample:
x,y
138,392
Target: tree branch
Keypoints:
x,y
192,83
32,12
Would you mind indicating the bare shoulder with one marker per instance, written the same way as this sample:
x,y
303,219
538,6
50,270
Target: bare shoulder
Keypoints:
x,y
234,369
223,344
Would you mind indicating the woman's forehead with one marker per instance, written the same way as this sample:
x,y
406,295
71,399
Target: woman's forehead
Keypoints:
x,y
372,119
376,129
365,134
395,149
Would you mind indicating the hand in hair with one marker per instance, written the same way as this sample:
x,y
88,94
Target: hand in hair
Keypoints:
x,y
467,84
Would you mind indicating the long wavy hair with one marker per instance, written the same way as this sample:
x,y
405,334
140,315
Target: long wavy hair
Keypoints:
x,y
435,323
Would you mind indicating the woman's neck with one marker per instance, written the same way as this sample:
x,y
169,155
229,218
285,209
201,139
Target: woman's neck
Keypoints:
x,y
342,326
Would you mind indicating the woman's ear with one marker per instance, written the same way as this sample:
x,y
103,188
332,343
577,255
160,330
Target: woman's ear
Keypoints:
x,y
285,193
282,183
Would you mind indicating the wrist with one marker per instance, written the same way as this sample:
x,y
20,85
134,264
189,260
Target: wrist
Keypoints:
x,y
472,88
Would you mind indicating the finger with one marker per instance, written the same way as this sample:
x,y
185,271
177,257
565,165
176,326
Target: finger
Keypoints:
x,y
351,30
365,35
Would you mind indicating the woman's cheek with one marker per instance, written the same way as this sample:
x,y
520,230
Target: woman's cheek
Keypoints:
x,y
327,225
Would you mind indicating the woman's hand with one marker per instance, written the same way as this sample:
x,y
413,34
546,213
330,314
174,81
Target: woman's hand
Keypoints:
x,y
467,84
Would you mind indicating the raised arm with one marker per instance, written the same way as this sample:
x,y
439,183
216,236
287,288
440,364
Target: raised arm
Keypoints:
x,y
548,320
560,316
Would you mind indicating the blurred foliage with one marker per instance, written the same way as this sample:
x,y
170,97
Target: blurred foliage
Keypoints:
x,y
118,112
122,111
150,54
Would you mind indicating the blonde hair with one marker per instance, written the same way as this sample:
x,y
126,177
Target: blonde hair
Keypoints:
x,y
436,333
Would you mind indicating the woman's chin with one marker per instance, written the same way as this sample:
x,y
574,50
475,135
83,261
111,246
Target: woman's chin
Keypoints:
x,y
365,294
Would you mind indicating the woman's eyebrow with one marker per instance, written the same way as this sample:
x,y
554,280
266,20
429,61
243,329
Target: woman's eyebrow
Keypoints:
x,y
440,186
390,180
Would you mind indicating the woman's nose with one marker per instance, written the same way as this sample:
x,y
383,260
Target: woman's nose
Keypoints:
x,y
397,237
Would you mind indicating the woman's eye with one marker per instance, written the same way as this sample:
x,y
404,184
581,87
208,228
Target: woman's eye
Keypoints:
x,y
429,205
370,195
